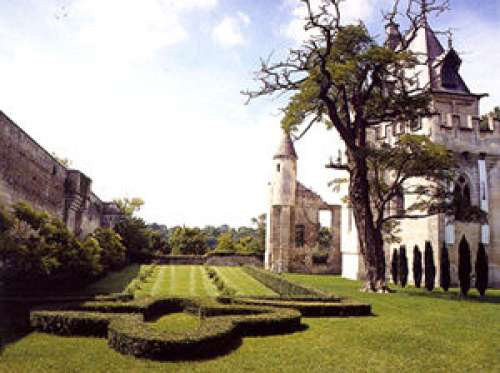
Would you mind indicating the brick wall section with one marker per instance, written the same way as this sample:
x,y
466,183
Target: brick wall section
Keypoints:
x,y
30,173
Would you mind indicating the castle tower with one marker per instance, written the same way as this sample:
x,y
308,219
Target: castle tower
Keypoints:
x,y
281,222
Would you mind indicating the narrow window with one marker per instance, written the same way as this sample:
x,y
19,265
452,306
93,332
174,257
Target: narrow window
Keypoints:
x,y
299,235
54,170
278,167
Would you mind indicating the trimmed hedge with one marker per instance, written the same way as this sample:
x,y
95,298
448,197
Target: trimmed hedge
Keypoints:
x,y
313,308
128,332
280,285
76,322
219,283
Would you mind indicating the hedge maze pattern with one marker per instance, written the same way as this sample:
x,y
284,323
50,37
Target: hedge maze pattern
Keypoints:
x,y
129,325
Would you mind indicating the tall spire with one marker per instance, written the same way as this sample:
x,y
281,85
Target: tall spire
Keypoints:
x,y
286,148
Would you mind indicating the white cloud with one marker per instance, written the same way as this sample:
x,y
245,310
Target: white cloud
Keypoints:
x,y
228,32
130,30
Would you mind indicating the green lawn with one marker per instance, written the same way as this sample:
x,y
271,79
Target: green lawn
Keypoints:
x,y
243,283
181,280
177,322
409,332
115,282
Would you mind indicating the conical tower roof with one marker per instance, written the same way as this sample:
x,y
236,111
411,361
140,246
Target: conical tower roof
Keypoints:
x,y
286,148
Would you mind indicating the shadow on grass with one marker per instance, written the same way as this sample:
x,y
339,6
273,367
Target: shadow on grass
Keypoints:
x,y
451,295
14,322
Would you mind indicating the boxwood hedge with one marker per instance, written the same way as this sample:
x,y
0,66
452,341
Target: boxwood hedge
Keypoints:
x,y
282,286
128,331
313,308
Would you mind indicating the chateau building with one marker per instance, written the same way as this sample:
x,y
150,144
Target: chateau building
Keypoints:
x,y
31,174
457,125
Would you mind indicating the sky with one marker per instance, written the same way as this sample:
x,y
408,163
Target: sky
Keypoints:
x,y
143,96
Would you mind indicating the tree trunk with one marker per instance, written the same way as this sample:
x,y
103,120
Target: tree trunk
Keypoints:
x,y
370,239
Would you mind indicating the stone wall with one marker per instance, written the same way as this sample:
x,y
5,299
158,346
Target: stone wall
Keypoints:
x,y
31,174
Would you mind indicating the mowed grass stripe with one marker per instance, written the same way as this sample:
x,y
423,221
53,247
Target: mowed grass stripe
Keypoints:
x,y
209,288
243,283
161,283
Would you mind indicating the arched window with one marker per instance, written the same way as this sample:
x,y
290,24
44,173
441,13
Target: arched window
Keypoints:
x,y
461,198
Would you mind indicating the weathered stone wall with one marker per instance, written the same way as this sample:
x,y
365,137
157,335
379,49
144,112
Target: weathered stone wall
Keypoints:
x,y
30,173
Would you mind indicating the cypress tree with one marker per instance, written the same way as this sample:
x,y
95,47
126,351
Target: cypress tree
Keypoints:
x,y
444,278
464,266
430,268
417,266
481,270
403,266
395,266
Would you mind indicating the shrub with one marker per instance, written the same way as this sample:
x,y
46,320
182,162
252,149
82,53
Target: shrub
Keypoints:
x,y
248,245
403,266
188,241
39,252
430,268
114,253
464,266
417,266
225,243
219,283
395,266
136,237
444,276
481,270
279,284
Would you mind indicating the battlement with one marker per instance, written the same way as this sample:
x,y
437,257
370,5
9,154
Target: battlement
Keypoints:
x,y
462,133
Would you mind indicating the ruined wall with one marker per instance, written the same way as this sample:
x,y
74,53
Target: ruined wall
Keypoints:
x,y
30,173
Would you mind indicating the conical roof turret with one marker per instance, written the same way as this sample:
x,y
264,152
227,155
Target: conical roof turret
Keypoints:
x,y
286,148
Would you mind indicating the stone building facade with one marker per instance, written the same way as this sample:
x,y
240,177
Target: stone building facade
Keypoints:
x,y
456,124
293,225
29,173
476,146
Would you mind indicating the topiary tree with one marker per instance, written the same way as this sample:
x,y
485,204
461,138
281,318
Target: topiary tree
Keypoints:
x,y
403,266
444,278
430,268
464,266
481,270
395,266
417,266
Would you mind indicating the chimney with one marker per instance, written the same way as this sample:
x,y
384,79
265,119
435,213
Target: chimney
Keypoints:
x,y
393,35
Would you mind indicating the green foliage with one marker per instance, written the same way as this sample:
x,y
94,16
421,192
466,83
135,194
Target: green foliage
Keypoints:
x,y
417,266
403,266
395,266
325,238
464,266
136,236
248,245
225,243
220,284
131,335
188,241
128,206
430,268
114,253
444,276
481,270
37,249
